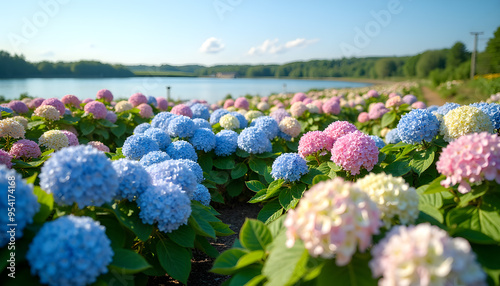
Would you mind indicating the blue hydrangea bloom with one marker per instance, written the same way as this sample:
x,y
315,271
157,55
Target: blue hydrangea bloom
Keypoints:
x,y
254,141
378,141
202,195
6,109
493,111
182,150
447,107
268,125
153,158
26,204
181,126
241,118
289,166
201,123
162,119
159,136
141,128
200,111
433,108
195,168
216,115
285,136
70,250
173,171
152,101
203,139
138,145
133,179
67,112
165,204
226,142
418,125
79,174
392,137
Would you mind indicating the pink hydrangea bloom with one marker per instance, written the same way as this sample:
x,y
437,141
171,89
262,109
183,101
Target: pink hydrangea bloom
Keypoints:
x,y
319,104
5,158
105,94
469,160
162,103
145,110
393,94
98,109
338,129
314,141
137,98
87,100
214,106
394,101
279,114
228,103
307,101
71,100
25,148
18,106
419,105
353,151
297,109
111,116
242,103
72,139
331,107
409,99
372,93
377,110
36,102
99,146
363,117
56,103
278,105
182,109
299,96
264,99
333,219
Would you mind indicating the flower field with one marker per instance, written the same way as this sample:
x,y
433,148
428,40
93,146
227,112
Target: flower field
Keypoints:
x,y
365,186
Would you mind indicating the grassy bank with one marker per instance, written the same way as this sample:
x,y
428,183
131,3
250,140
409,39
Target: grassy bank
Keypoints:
x,y
465,92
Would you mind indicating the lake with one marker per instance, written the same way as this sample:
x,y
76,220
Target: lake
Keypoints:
x,y
184,88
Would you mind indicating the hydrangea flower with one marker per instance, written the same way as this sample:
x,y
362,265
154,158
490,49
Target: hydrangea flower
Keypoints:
x,y
263,106
396,200
392,137
111,116
226,143
6,109
153,158
152,101
97,109
290,126
201,123
99,146
202,195
22,120
254,141
145,110
5,159
195,168
268,125
409,99
70,250
56,103
36,102
138,145
173,171
241,118
137,99
162,119
363,117
79,174
419,105
331,107
298,97
72,139
333,218
200,111
87,100
53,139
181,126
372,93
159,136
18,106
229,122
241,103
377,110
313,142
433,108
203,139
297,109
338,129
393,102
279,114
464,120
141,128
353,151
25,149
378,141
425,255
290,167
216,116
123,106
182,150
182,109
11,128
133,179
26,203
161,103
228,103
417,126
312,108
253,114
105,94
447,107
469,160
493,111
48,112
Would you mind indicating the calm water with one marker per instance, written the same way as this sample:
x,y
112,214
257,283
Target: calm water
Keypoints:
x,y
210,89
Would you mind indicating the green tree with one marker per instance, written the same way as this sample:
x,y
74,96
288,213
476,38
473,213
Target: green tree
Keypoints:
x,y
493,51
430,60
385,67
457,55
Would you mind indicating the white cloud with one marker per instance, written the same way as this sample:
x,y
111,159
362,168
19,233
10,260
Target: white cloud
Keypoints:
x,y
273,46
48,54
212,45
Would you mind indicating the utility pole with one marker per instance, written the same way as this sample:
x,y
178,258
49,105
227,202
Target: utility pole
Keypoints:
x,y
168,93
473,60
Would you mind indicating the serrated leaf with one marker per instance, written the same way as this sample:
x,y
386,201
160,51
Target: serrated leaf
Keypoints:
x,y
398,168
184,236
435,186
309,177
176,260
224,163
46,202
86,126
320,178
225,264
258,166
285,198
388,118
128,262
239,171
254,235
128,214
298,190
357,272
255,186
271,211
234,188
423,160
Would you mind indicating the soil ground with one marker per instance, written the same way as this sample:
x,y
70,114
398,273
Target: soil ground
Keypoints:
x,y
432,97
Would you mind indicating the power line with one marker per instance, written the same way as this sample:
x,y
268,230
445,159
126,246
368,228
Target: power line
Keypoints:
x,y
474,52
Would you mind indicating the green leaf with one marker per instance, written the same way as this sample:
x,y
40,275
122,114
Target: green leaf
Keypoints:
x,y
293,146
435,200
234,188
255,281
242,154
324,168
46,202
206,162
258,166
432,212
398,168
174,259
221,229
334,167
250,258
476,192
246,275
298,190
102,132
120,129
239,171
259,196
106,123
86,126
33,124
254,235
435,186
219,177
388,118
357,272
114,230
224,163
202,244
225,264
183,236
309,177
285,198
423,160
274,186
276,226
320,178
271,211
255,186
269,178
128,262
201,226
128,214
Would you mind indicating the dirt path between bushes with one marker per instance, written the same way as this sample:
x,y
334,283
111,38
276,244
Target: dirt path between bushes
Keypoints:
x,y
432,97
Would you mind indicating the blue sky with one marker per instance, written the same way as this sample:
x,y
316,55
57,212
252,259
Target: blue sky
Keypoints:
x,y
238,31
